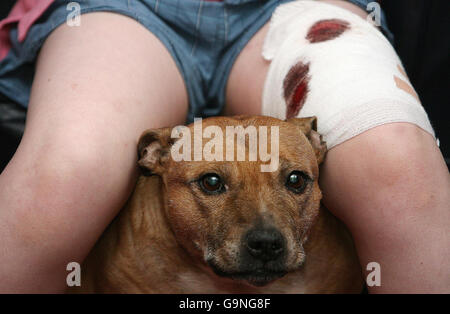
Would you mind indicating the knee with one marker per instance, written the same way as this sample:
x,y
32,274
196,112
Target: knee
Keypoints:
x,y
71,174
406,165
394,170
57,186
397,154
70,170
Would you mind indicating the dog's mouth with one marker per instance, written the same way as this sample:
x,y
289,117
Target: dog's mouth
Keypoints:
x,y
258,277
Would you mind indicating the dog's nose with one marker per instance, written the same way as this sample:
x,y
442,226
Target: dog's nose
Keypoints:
x,y
265,244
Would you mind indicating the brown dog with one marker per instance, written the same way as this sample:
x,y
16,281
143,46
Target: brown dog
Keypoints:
x,y
226,226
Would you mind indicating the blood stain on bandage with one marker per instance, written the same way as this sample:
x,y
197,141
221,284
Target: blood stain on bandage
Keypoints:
x,y
295,87
326,30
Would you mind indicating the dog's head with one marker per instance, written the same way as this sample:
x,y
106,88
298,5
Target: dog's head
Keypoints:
x,y
243,222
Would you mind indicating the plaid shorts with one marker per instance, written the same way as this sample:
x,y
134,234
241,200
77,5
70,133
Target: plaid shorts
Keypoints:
x,y
203,37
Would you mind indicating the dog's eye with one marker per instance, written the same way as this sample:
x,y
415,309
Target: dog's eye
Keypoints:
x,y
296,181
211,183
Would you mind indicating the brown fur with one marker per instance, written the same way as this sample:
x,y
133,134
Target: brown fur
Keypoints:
x,y
162,239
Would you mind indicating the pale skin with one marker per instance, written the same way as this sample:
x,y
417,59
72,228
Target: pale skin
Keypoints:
x,y
75,166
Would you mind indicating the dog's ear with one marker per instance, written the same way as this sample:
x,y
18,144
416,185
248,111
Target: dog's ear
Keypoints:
x,y
309,128
154,150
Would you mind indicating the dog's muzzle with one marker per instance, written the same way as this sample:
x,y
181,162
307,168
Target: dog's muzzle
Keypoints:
x,y
262,257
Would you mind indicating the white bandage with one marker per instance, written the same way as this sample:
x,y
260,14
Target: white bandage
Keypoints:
x,y
338,67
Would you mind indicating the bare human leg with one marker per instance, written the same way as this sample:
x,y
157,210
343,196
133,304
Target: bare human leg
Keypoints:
x,y
76,164
389,185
